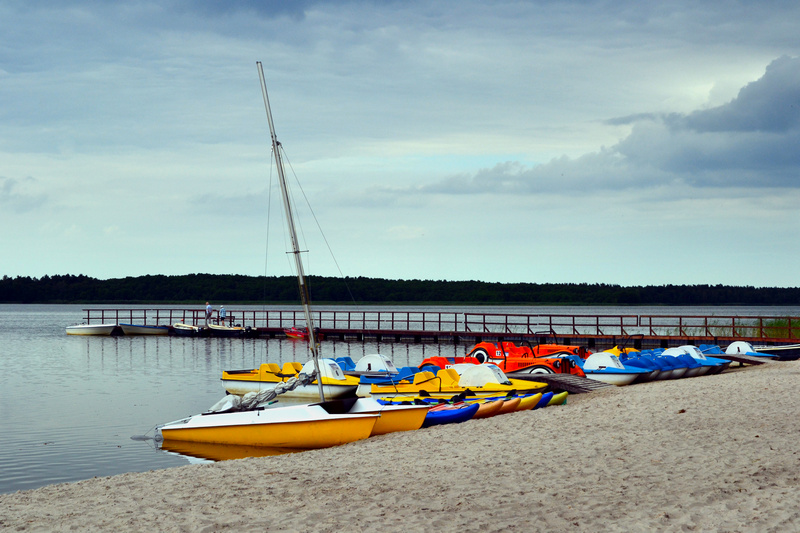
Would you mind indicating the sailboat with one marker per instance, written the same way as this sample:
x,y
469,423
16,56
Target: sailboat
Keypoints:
x,y
317,425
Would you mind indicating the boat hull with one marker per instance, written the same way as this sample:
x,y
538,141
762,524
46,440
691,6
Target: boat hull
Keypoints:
x,y
450,415
138,329
303,391
93,329
187,330
620,379
297,427
788,352
225,331
393,418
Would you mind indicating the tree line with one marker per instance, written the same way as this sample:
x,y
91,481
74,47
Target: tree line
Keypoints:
x,y
238,289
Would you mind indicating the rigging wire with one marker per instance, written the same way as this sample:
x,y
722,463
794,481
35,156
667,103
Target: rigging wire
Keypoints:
x,y
319,227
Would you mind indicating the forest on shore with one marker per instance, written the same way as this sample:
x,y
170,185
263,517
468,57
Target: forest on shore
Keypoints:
x,y
237,289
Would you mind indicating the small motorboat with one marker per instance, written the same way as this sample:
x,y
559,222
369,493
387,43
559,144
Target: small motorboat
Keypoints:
x,y
141,329
300,333
217,330
94,329
189,330
294,332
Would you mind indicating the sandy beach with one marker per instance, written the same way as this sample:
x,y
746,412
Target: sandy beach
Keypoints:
x,y
714,453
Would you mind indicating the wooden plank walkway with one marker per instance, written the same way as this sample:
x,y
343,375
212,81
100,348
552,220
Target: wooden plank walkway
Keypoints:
x,y
568,382
595,331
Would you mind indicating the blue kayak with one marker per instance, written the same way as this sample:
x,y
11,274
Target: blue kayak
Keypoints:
x,y
452,415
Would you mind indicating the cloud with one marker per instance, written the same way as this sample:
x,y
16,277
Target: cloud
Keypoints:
x,y
21,197
750,142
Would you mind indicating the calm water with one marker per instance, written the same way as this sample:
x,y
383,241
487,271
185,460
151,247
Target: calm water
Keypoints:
x,y
69,405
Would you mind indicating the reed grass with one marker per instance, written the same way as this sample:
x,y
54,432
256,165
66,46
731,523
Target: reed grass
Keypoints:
x,y
773,328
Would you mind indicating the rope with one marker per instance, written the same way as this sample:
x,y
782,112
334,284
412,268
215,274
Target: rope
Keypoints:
x,y
260,399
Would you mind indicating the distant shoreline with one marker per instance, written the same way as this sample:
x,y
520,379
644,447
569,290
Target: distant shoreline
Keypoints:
x,y
233,289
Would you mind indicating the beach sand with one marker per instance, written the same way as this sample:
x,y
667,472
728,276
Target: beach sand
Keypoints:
x,y
714,453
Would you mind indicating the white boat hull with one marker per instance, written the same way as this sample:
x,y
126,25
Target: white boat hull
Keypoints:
x,y
618,379
137,329
91,329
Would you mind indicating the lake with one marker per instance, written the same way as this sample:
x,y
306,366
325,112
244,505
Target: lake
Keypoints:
x,y
69,405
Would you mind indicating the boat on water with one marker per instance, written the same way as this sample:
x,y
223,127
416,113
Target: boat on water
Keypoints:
x,y
218,330
310,426
142,329
94,329
335,384
296,333
189,330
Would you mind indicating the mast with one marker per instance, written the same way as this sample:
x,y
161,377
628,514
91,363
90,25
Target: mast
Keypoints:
x,y
287,207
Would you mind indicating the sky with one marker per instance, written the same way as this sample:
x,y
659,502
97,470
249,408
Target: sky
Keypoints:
x,y
628,143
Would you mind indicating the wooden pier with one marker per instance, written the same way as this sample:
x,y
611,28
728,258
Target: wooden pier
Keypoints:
x,y
568,382
595,331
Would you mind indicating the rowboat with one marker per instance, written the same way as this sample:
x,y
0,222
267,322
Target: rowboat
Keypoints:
x,y
189,330
217,330
141,329
93,329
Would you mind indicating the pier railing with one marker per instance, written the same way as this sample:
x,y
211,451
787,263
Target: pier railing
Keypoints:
x,y
479,325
